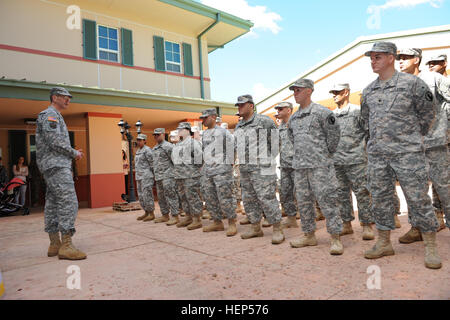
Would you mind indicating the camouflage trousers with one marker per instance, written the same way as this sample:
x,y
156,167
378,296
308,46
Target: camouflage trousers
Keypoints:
x,y
237,188
258,195
437,165
354,177
61,203
167,196
145,194
318,184
396,203
410,170
189,191
287,191
219,196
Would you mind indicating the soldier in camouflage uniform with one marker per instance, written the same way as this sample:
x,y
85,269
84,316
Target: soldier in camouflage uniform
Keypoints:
x,y
144,178
315,135
398,111
286,189
350,162
165,180
253,136
218,153
54,157
187,159
436,151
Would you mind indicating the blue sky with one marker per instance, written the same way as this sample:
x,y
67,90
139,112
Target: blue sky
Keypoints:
x,y
291,36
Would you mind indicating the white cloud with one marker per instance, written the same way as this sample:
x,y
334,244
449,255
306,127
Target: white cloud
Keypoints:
x,y
409,3
262,18
259,92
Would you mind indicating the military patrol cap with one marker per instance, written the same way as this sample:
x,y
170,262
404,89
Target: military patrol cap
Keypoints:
x,y
416,52
441,57
208,112
244,99
385,47
340,87
60,91
159,131
142,136
224,125
195,129
174,133
302,83
284,104
219,119
184,125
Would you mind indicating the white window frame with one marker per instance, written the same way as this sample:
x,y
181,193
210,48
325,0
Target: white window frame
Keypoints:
x,y
172,62
108,50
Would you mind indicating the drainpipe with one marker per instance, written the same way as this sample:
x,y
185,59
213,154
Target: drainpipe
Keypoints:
x,y
202,86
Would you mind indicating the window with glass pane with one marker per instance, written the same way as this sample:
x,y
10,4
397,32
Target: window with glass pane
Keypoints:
x,y
108,44
173,57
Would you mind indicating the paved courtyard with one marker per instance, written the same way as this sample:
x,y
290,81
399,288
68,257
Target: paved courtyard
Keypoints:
x,y
129,259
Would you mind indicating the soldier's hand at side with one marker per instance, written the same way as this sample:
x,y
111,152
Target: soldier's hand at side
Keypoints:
x,y
80,154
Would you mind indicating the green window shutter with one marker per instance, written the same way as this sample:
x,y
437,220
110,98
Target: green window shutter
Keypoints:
x,y
187,59
158,47
89,39
127,47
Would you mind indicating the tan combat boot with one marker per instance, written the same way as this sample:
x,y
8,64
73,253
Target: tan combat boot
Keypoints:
x,y
150,216
205,213
336,247
368,232
163,218
382,248
215,226
440,219
278,235
397,222
181,213
55,244
283,212
347,228
290,222
185,221
411,236
432,259
68,251
245,221
297,216
266,223
254,231
196,223
240,208
308,239
173,220
143,216
232,230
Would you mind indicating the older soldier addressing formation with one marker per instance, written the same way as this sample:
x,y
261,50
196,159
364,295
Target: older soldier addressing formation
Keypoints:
x,y
54,157
315,134
398,110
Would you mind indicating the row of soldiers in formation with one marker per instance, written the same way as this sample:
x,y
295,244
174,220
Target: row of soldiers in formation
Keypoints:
x,y
400,133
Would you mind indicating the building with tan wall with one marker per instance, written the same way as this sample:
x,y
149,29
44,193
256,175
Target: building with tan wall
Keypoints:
x,y
136,60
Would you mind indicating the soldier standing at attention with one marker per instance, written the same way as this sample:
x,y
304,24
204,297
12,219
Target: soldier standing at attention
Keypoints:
x,y
315,134
54,157
145,178
165,180
350,162
187,159
257,167
436,151
287,193
398,111
218,154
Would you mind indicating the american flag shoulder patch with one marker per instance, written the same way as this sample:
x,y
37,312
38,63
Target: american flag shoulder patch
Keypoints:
x,y
52,119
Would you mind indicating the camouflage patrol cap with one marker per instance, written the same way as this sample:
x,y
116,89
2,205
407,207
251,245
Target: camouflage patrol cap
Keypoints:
x,y
384,47
174,133
218,119
339,87
441,57
302,83
184,125
195,129
243,99
142,136
416,52
284,104
60,91
224,125
208,112
159,131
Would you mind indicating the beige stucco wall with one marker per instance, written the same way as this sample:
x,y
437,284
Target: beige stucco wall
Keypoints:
x,y
41,25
